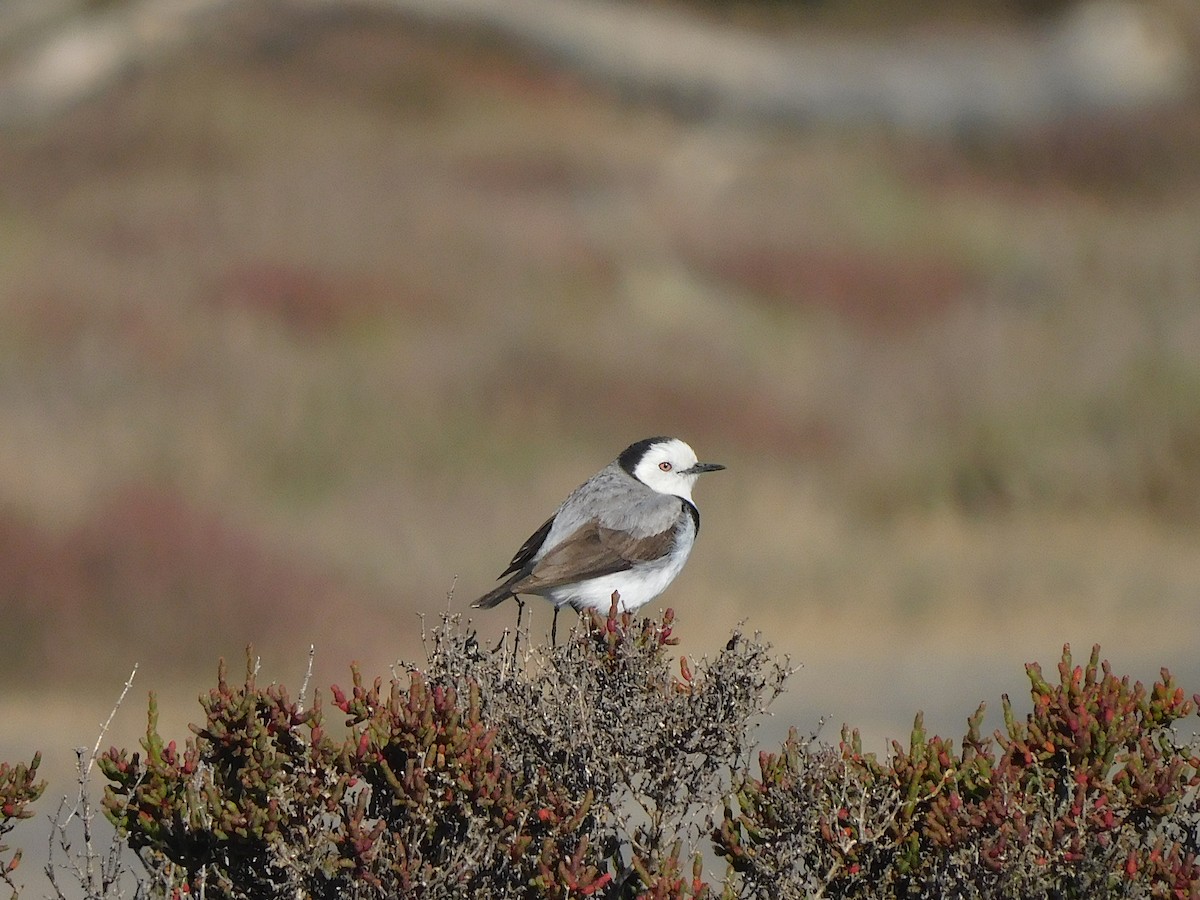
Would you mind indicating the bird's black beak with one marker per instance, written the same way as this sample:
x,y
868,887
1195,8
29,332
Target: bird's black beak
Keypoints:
x,y
703,467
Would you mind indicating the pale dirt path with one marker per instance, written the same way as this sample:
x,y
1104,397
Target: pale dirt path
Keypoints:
x,y
1104,54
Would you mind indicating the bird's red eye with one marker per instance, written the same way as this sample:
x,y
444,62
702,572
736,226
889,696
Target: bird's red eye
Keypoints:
x,y
665,466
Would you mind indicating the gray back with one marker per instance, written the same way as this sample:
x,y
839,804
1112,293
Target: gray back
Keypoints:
x,y
615,499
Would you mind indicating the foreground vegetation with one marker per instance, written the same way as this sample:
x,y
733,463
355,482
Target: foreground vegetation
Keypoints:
x,y
607,767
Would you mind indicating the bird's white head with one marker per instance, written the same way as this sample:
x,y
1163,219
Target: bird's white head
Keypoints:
x,y
665,464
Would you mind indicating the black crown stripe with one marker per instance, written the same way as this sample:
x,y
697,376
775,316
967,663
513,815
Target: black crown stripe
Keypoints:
x,y
633,454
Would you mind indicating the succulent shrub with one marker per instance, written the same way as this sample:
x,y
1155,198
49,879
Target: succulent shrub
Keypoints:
x,y
1092,795
19,788
591,768
607,767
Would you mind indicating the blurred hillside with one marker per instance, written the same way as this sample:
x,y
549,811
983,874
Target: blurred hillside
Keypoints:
x,y
312,319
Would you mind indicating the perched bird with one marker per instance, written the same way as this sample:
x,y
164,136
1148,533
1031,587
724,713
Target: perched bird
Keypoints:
x,y
629,529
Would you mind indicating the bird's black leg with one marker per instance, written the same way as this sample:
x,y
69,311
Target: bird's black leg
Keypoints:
x,y
554,628
520,612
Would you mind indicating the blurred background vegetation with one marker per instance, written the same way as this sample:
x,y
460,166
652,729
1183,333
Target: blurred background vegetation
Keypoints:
x,y
311,312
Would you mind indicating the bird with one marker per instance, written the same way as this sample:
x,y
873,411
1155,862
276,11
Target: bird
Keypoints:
x,y
623,534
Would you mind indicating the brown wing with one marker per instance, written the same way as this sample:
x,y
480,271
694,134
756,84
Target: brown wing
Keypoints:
x,y
637,549
592,551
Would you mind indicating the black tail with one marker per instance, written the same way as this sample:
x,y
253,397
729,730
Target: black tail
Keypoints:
x,y
496,596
